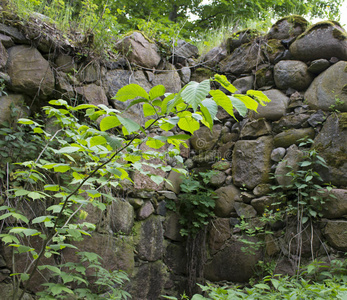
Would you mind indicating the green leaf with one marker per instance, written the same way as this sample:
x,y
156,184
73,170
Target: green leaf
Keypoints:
x,y
223,101
148,110
157,179
26,121
149,123
157,91
97,140
306,163
109,122
262,286
187,123
35,195
154,143
59,103
223,81
136,101
129,124
209,109
165,104
52,187
194,93
259,96
84,106
42,219
246,101
61,168
129,92
19,193
68,149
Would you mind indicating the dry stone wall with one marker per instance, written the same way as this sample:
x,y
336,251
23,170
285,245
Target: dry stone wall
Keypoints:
x,y
303,70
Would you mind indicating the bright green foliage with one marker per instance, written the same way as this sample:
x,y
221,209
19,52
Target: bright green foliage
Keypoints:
x,y
195,203
303,196
76,162
317,280
164,20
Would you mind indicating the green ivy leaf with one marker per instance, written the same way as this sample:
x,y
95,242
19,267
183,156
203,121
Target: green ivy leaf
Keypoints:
x,y
157,179
194,93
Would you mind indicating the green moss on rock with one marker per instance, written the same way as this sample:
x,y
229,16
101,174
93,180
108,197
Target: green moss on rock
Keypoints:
x,y
296,20
322,25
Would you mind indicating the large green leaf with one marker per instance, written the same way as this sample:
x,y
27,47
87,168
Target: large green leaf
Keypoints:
x,y
259,96
97,140
129,124
165,104
136,101
130,92
239,105
224,82
223,101
209,110
109,122
194,93
157,91
154,143
148,110
187,122
248,101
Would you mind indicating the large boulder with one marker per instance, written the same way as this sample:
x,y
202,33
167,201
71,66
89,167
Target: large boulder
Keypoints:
x,y
3,56
121,216
184,50
139,50
219,233
239,38
214,56
252,161
335,232
235,262
149,238
30,72
288,27
323,40
12,100
243,60
168,78
148,281
331,144
335,205
293,136
275,109
290,163
292,74
329,89
92,94
226,197
203,139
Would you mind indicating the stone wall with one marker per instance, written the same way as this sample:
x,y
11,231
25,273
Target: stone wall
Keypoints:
x,y
304,73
